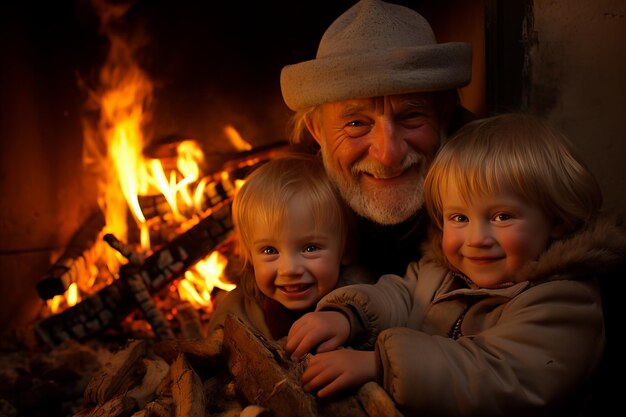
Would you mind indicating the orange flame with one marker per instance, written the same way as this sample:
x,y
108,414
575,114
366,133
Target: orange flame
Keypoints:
x,y
125,174
200,281
236,140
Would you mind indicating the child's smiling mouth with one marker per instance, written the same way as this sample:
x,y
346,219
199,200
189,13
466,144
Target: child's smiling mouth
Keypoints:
x,y
294,288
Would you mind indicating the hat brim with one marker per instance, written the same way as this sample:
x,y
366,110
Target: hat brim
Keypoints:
x,y
437,67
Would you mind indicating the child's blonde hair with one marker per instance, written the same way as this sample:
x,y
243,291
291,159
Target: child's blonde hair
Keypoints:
x,y
264,197
522,154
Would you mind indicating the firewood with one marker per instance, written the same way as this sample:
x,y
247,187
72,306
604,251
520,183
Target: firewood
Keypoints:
x,y
261,373
221,395
377,401
154,206
71,264
267,379
156,370
157,408
234,411
118,374
118,406
113,303
203,354
187,389
152,314
255,411
124,249
7,409
189,322
164,389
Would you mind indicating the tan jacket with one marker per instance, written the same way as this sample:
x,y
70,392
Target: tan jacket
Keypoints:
x,y
446,347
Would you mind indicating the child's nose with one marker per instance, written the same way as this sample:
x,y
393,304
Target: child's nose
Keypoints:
x,y
479,234
290,264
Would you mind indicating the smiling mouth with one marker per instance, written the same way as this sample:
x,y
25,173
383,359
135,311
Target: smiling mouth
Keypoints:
x,y
385,174
297,288
389,174
483,260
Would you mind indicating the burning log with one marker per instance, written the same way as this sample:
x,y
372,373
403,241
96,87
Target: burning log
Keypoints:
x,y
123,248
79,253
153,206
116,301
216,191
155,317
73,262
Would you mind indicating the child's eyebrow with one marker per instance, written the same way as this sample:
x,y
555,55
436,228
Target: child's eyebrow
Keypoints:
x,y
264,241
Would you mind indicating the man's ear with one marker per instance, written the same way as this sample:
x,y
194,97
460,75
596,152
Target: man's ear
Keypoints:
x,y
314,129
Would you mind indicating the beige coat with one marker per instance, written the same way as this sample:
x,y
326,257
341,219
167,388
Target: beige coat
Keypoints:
x,y
446,347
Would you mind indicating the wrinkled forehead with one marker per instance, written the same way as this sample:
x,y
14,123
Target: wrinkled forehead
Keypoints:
x,y
410,99
422,102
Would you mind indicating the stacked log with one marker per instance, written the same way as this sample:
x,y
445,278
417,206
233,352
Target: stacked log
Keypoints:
x,y
236,372
133,288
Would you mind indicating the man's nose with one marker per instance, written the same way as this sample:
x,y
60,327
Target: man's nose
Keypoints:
x,y
387,146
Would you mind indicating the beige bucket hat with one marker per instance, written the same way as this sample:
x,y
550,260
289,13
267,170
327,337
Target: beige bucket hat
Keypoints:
x,y
376,49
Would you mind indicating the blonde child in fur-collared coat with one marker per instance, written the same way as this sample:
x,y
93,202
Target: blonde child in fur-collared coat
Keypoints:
x,y
503,315
292,231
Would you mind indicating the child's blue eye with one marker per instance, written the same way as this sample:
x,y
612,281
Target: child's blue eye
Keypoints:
x,y
269,251
310,248
500,217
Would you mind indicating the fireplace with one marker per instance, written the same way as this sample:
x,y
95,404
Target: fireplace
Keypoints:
x,y
212,70
209,66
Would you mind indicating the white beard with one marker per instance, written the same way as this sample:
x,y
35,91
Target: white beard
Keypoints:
x,y
384,205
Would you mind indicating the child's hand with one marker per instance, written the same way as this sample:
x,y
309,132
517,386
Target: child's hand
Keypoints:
x,y
326,330
332,372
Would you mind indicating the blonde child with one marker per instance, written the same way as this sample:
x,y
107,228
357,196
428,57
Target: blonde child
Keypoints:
x,y
291,227
502,315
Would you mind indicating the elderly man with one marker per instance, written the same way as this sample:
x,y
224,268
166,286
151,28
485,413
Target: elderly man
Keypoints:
x,y
378,100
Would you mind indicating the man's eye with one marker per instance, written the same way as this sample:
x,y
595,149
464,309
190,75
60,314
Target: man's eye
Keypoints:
x,y
356,128
412,116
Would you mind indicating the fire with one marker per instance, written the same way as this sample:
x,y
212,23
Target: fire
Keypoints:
x,y
114,149
200,281
235,139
